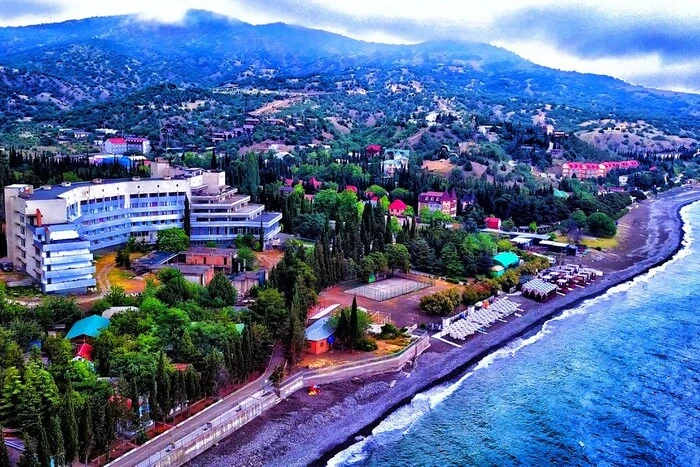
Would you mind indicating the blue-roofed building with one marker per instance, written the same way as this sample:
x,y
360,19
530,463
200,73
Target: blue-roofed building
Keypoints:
x,y
319,336
87,328
53,230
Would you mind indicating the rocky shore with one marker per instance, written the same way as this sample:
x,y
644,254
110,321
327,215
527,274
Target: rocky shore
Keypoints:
x,y
305,430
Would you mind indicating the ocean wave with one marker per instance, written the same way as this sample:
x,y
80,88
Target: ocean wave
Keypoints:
x,y
398,423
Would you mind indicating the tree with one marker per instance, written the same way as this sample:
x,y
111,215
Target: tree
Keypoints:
x,y
58,450
70,426
163,386
28,457
601,225
247,258
87,440
296,337
174,239
43,449
270,309
187,220
440,303
342,330
214,163
261,239
451,262
398,257
354,331
220,288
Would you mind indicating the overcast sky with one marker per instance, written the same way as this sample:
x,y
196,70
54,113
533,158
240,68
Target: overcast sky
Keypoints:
x,y
654,43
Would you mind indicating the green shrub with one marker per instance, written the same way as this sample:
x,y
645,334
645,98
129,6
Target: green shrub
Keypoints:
x,y
366,344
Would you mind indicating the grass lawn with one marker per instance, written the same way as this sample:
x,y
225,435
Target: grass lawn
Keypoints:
x,y
391,346
593,242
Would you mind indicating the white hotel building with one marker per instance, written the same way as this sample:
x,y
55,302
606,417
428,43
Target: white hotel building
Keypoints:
x,y
53,230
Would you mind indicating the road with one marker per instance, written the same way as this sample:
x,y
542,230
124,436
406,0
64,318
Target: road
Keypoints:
x,y
229,403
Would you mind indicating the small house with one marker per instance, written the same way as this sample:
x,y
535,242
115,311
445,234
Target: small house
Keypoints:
x,y
245,281
397,208
373,150
87,329
493,223
319,337
221,258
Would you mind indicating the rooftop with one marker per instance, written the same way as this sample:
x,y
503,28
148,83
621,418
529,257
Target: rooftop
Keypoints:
x,y
203,250
90,326
187,269
319,330
156,258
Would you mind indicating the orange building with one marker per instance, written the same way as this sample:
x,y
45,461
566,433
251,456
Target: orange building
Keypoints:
x,y
220,258
319,337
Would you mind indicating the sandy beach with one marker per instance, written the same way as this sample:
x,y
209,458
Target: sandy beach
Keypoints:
x,y
305,430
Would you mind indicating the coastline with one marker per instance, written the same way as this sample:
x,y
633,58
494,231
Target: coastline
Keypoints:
x,y
302,431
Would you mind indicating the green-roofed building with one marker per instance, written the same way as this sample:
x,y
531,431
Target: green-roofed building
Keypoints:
x,y
87,328
502,262
561,194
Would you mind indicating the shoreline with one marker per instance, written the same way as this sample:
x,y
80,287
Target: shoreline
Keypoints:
x,y
353,410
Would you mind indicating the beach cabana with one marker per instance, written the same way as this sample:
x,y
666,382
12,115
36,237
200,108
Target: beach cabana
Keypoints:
x,y
538,289
319,336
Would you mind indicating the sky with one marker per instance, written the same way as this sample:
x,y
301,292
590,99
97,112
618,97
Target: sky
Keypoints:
x,y
652,43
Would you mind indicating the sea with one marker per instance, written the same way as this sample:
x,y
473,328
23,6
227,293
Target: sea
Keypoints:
x,y
613,382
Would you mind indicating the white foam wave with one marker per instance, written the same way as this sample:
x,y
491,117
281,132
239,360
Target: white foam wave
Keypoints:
x,y
399,422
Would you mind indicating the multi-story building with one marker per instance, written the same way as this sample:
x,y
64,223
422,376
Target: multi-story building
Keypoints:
x,y
114,146
53,230
446,202
584,170
136,144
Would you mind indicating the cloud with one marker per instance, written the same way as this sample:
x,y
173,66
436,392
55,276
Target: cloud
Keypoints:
x,y
11,9
643,41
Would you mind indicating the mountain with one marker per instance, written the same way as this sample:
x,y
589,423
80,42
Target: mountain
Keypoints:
x,y
106,58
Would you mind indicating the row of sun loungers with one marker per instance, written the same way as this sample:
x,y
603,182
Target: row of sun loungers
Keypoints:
x,y
482,318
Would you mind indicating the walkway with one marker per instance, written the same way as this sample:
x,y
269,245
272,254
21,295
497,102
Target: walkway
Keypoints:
x,y
229,403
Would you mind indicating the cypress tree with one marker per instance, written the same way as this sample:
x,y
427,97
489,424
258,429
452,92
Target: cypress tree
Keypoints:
x,y
187,221
163,386
87,436
241,370
70,426
261,240
4,457
343,329
28,457
58,450
354,328
388,236
43,449
214,165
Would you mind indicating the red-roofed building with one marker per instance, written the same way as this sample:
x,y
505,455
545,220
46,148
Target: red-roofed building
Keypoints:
x,y
397,207
352,188
315,184
181,367
584,170
445,202
83,352
115,146
373,150
493,223
120,400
